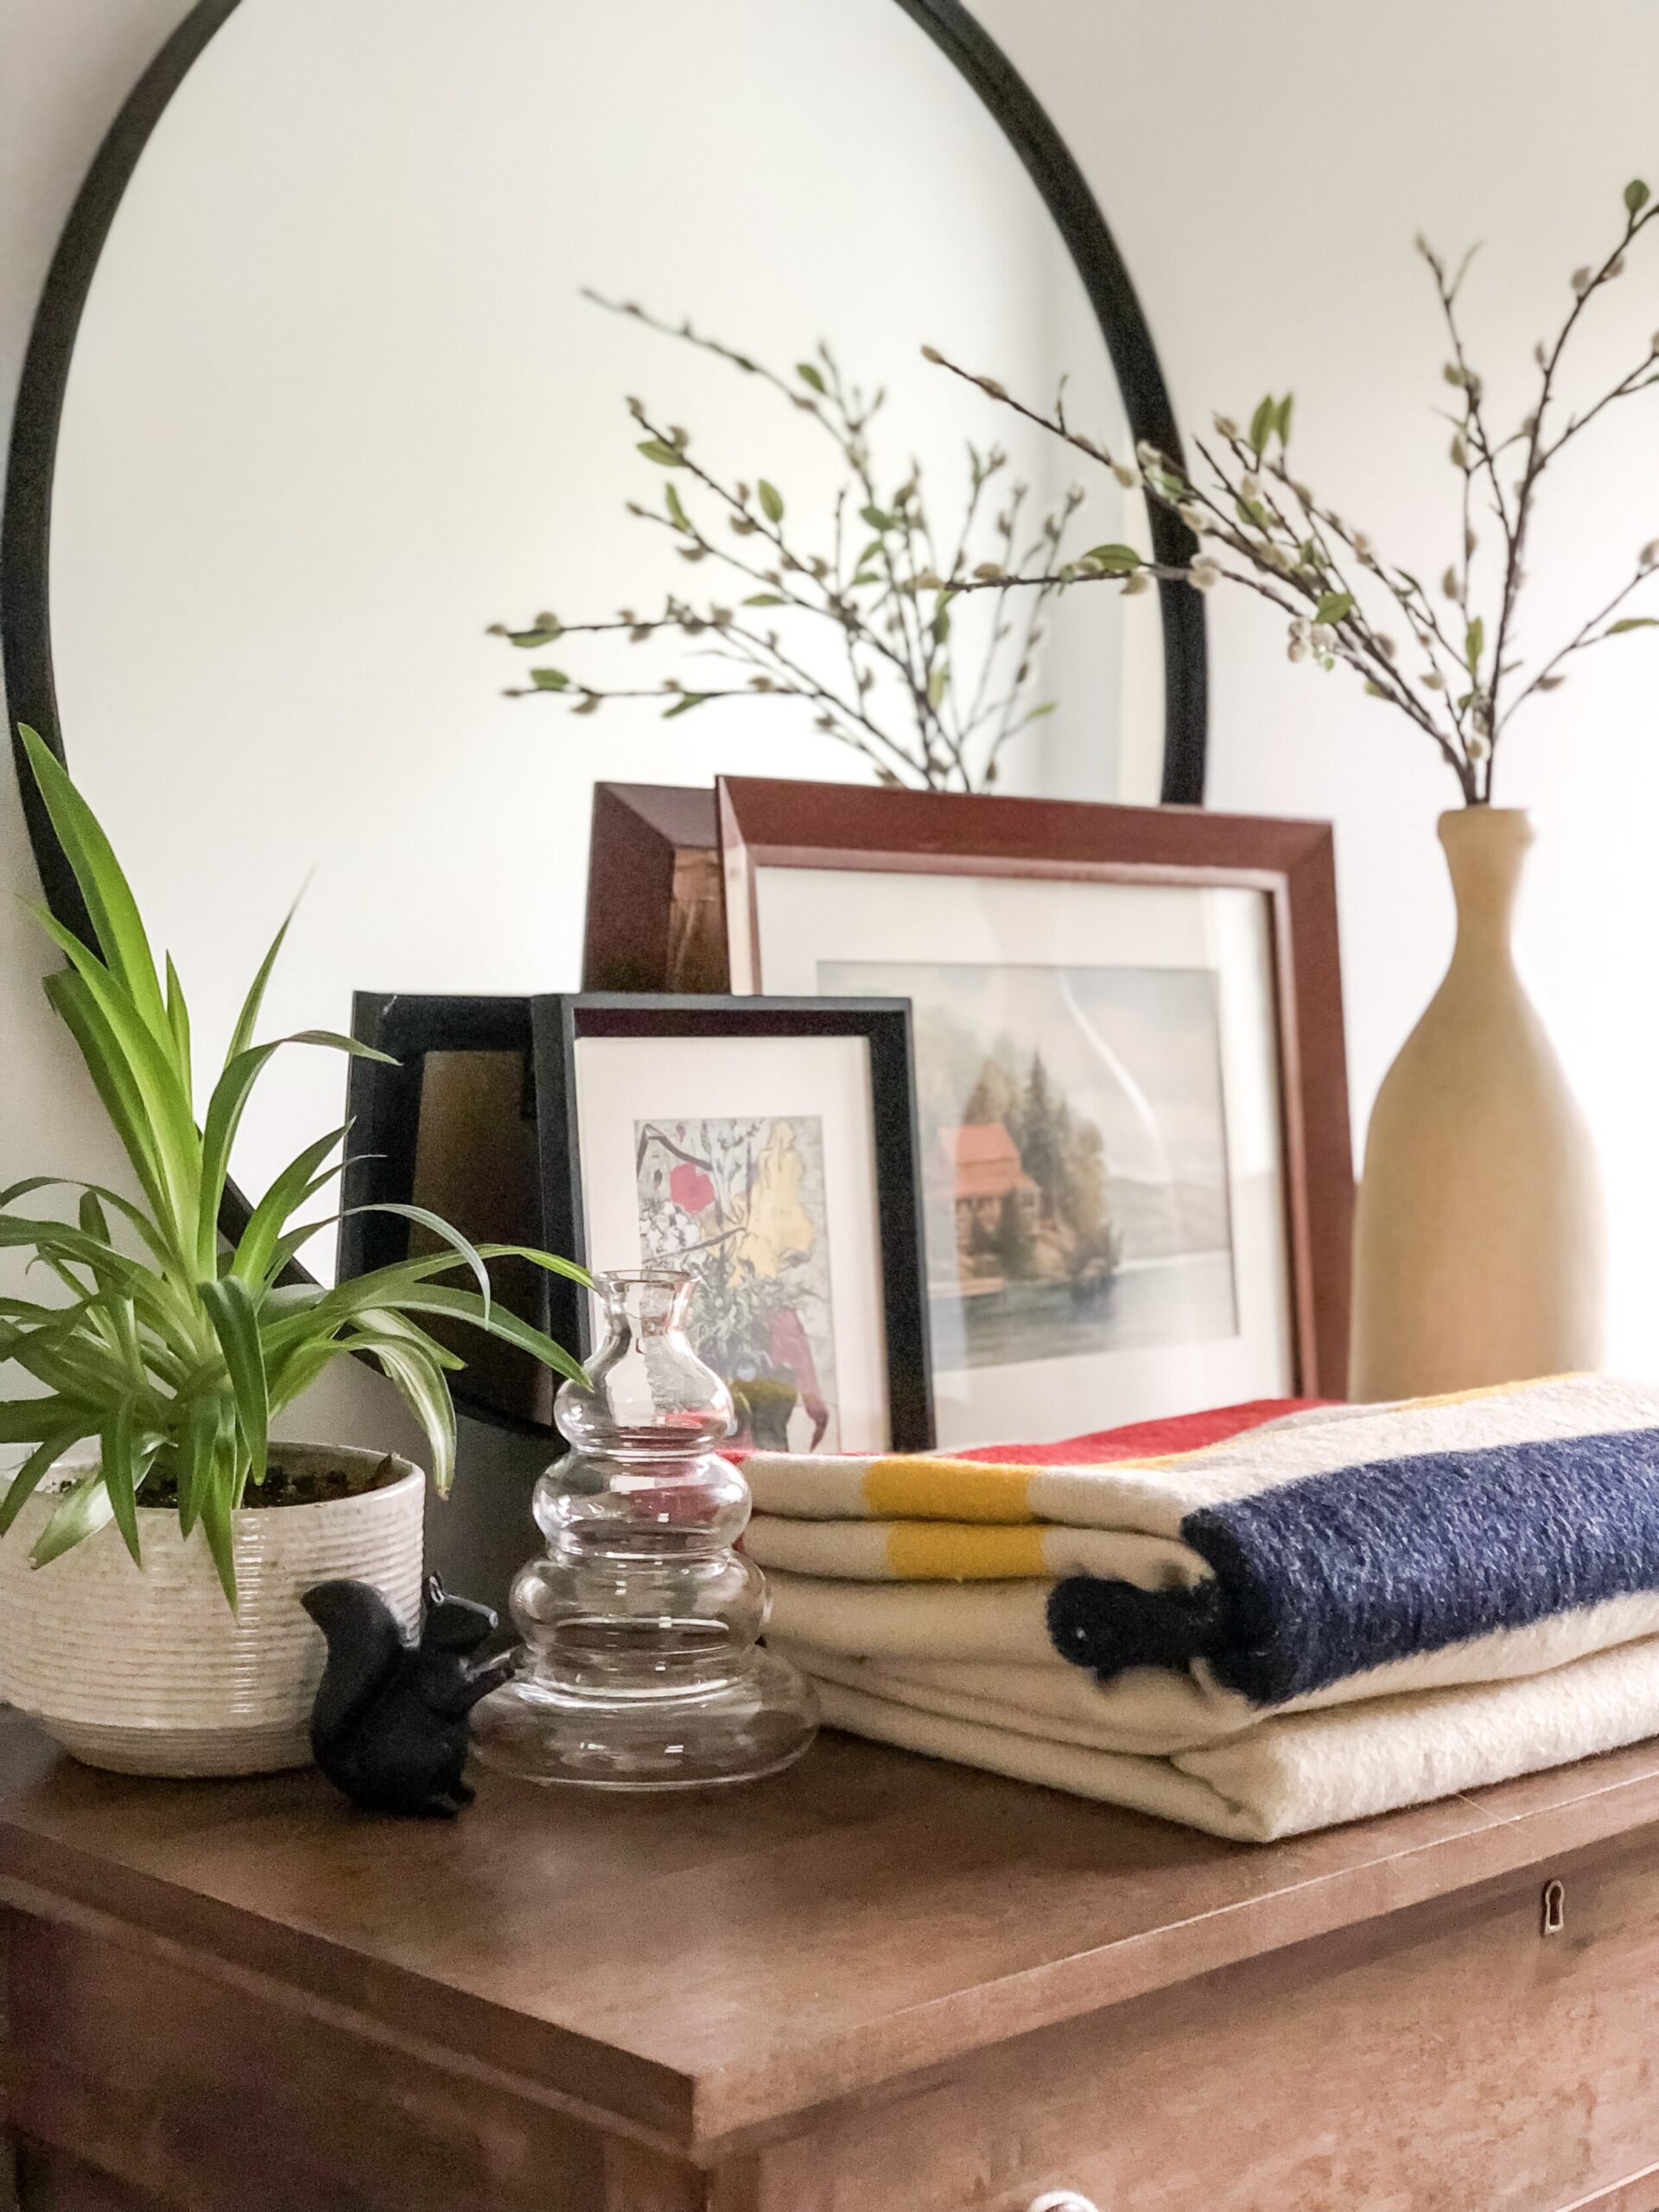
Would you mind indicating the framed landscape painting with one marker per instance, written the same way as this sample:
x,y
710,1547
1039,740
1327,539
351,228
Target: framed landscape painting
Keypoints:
x,y
1132,1101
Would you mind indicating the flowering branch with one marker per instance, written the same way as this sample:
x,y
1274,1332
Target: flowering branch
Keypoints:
x,y
1263,528
922,701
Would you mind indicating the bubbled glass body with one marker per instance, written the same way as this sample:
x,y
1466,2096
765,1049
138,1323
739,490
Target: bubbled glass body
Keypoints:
x,y
641,1668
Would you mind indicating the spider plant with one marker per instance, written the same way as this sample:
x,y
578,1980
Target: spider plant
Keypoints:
x,y
169,1350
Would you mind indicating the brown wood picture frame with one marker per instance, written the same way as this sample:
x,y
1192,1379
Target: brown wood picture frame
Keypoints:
x,y
655,916
767,822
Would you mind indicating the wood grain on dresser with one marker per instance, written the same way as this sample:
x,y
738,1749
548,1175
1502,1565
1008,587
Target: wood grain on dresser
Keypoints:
x,y
876,1984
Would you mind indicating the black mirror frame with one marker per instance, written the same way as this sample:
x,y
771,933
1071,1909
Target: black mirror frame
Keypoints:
x,y
26,660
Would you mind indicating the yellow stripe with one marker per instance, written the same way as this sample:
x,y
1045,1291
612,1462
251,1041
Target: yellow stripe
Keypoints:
x,y
946,1490
1490,1390
944,1551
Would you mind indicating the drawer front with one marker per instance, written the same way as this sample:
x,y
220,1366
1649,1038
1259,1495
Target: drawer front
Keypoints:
x,y
1464,2056
134,2084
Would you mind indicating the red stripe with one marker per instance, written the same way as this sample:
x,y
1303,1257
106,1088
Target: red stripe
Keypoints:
x,y
1145,1439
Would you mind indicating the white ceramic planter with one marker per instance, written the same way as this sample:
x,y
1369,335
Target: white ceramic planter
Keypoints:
x,y
149,1672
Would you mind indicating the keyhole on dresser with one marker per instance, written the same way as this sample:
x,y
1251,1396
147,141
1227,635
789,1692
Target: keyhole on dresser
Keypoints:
x,y
1554,1911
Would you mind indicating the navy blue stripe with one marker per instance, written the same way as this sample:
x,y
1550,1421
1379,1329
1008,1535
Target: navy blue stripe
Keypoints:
x,y
1335,1573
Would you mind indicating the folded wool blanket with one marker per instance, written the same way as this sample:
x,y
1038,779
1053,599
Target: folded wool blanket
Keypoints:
x,y
1285,1777
1341,1555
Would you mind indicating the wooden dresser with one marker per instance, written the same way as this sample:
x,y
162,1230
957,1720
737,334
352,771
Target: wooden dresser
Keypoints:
x,y
873,1985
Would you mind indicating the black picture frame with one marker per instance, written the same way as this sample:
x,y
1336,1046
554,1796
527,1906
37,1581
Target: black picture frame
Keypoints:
x,y
385,1105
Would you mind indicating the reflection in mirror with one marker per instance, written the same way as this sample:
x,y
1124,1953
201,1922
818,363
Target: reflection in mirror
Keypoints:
x,y
338,406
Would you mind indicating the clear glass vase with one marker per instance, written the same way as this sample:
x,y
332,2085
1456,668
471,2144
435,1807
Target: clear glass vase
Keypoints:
x,y
640,1667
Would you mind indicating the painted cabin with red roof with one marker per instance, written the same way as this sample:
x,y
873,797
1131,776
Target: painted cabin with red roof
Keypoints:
x,y
983,1165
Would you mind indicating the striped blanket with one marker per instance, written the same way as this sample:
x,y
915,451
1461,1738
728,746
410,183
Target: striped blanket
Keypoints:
x,y
1406,1587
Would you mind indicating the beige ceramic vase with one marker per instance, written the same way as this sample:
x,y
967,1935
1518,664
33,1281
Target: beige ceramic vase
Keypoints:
x,y
1478,1240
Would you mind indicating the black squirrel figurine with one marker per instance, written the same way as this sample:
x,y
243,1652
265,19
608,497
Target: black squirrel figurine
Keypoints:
x,y
389,1727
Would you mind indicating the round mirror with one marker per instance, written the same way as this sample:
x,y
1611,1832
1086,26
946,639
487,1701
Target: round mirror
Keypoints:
x,y
322,403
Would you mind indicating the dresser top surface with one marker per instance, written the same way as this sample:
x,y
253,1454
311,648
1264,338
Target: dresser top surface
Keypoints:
x,y
689,1966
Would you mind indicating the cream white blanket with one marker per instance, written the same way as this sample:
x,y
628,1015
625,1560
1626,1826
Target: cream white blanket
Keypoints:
x,y
1351,1611
1285,1777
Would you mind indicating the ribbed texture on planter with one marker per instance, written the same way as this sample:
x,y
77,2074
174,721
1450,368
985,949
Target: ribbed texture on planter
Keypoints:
x,y
149,1672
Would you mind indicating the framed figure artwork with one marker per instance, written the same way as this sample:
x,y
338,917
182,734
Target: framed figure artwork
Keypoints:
x,y
769,1147
1131,1083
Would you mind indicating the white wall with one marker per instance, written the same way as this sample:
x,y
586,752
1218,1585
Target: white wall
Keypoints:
x,y
1264,167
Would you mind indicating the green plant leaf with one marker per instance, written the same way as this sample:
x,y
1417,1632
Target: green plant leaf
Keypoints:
x,y
684,704
1261,424
117,1092
664,455
765,599
114,911
878,519
1113,560
39,1464
247,1019
218,1502
178,1022
771,501
401,1351
236,1323
135,1048
125,1469
37,1421
204,1418
1637,195
809,375
224,1111
549,679
1333,606
671,500
84,1510
435,1225
294,1187
467,1305
1630,622
1474,639
1281,418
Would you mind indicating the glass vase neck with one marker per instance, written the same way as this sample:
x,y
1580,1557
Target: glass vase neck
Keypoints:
x,y
644,1394
648,1303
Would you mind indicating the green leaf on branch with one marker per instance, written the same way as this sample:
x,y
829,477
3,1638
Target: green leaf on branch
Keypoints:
x,y
1113,560
530,638
765,599
1334,607
548,679
1637,195
1474,640
1252,512
664,455
1632,622
684,706
808,374
1261,425
1281,418
936,684
676,513
878,519
771,501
